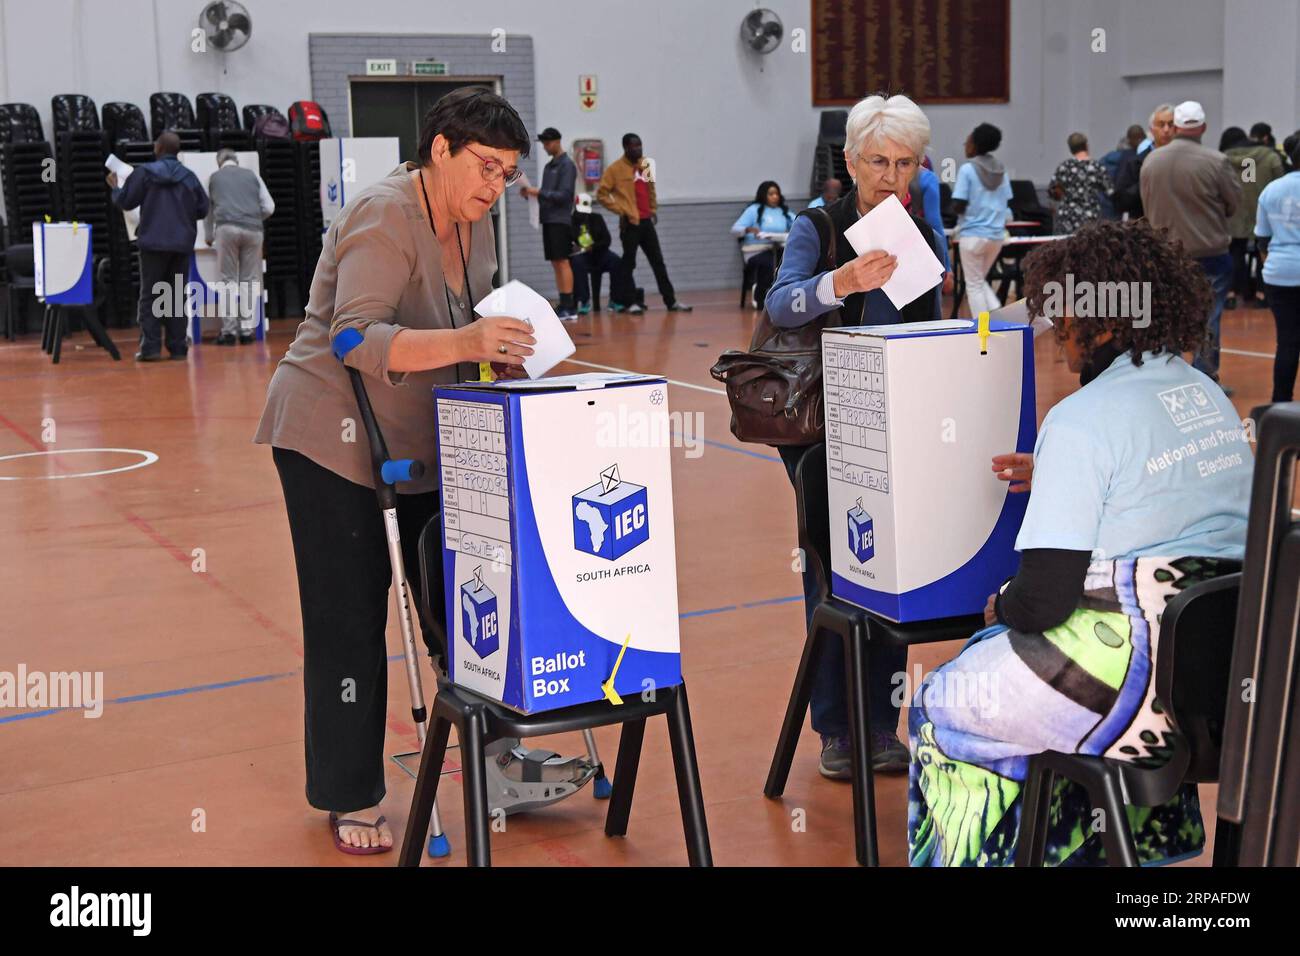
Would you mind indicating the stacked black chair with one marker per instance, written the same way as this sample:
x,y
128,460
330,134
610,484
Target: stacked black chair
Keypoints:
x,y
26,169
79,152
859,630
828,155
479,722
278,160
128,139
311,219
1192,661
218,118
1025,205
172,111
124,123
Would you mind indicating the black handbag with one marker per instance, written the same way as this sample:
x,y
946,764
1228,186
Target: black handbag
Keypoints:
x,y
775,388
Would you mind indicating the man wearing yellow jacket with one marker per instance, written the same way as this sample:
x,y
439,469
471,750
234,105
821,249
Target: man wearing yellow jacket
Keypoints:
x,y
627,188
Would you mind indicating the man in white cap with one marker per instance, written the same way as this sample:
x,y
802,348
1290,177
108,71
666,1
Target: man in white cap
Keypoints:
x,y
1192,191
593,257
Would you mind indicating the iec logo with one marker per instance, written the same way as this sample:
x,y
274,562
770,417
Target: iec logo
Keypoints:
x,y
862,535
478,614
332,189
611,517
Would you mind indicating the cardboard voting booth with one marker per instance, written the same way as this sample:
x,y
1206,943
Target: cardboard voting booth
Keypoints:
x,y
921,528
63,258
559,557
203,301
350,164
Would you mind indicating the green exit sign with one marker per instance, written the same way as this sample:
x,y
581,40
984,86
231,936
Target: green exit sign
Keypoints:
x,y
429,68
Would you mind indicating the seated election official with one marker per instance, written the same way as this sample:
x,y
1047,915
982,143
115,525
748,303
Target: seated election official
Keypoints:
x,y
768,213
884,142
403,264
1140,487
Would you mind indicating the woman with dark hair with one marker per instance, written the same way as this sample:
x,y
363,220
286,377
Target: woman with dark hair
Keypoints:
x,y
767,214
1259,165
403,265
1140,487
980,198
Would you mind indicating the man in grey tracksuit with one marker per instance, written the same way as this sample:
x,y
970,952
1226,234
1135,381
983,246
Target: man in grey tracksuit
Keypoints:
x,y
240,201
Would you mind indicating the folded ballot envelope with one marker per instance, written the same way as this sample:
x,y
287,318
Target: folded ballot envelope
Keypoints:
x,y
921,528
559,559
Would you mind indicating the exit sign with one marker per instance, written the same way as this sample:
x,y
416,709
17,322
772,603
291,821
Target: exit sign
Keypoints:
x,y
428,68
381,67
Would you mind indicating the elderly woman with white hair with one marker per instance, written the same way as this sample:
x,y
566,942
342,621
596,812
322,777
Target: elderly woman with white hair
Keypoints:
x,y
885,140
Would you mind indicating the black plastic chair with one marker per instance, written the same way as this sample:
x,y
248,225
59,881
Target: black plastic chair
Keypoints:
x,y
20,268
859,630
479,722
1025,205
1192,661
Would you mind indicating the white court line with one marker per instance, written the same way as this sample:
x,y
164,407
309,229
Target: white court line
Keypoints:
x,y
1267,355
147,458
628,371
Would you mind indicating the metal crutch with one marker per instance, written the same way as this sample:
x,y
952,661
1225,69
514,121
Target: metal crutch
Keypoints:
x,y
387,473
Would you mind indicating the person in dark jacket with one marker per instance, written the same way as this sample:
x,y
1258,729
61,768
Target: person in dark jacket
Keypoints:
x,y
594,258
171,202
1128,181
885,140
555,207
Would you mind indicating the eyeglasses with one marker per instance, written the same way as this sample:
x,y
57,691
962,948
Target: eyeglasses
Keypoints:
x,y
493,169
880,165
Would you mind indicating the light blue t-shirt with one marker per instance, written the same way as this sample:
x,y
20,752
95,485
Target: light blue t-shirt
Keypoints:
x,y
771,219
1148,460
1278,218
986,209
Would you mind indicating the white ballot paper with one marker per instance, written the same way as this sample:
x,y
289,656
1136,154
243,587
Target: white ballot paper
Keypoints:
x,y
534,210
890,228
520,302
122,170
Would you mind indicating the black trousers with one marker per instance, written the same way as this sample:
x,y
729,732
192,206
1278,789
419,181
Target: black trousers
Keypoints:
x,y
341,553
1243,283
1285,302
588,267
156,307
761,269
643,236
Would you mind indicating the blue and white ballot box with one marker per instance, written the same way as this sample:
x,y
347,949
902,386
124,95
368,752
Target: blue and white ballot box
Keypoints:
x,y
559,544
921,528
64,266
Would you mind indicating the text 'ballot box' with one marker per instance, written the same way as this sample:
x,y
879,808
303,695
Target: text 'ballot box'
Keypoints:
x,y
921,528
559,553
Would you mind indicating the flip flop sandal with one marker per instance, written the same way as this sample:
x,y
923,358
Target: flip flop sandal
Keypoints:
x,y
336,821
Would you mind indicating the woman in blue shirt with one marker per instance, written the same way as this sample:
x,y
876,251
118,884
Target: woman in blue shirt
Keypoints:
x,y
1277,234
980,197
768,213
1140,487
885,140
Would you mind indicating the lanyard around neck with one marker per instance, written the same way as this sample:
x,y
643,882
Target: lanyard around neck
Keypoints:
x,y
464,267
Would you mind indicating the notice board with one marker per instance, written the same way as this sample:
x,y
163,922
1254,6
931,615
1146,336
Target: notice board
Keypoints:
x,y
934,51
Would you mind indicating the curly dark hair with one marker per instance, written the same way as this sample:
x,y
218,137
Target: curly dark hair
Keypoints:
x,y
1106,251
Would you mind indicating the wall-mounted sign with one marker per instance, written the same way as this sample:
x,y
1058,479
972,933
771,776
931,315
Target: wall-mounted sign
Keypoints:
x,y
381,67
588,103
428,68
587,84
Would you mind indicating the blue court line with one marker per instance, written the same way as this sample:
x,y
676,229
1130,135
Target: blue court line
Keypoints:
x,y
723,445
264,678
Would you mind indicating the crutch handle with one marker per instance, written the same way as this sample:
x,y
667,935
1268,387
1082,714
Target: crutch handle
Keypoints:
x,y
386,471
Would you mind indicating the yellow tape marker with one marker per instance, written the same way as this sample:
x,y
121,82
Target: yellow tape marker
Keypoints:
x,y
485,373
611,695
47,218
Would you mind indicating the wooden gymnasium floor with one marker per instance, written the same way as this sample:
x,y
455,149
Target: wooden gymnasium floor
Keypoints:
x,y
202,670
